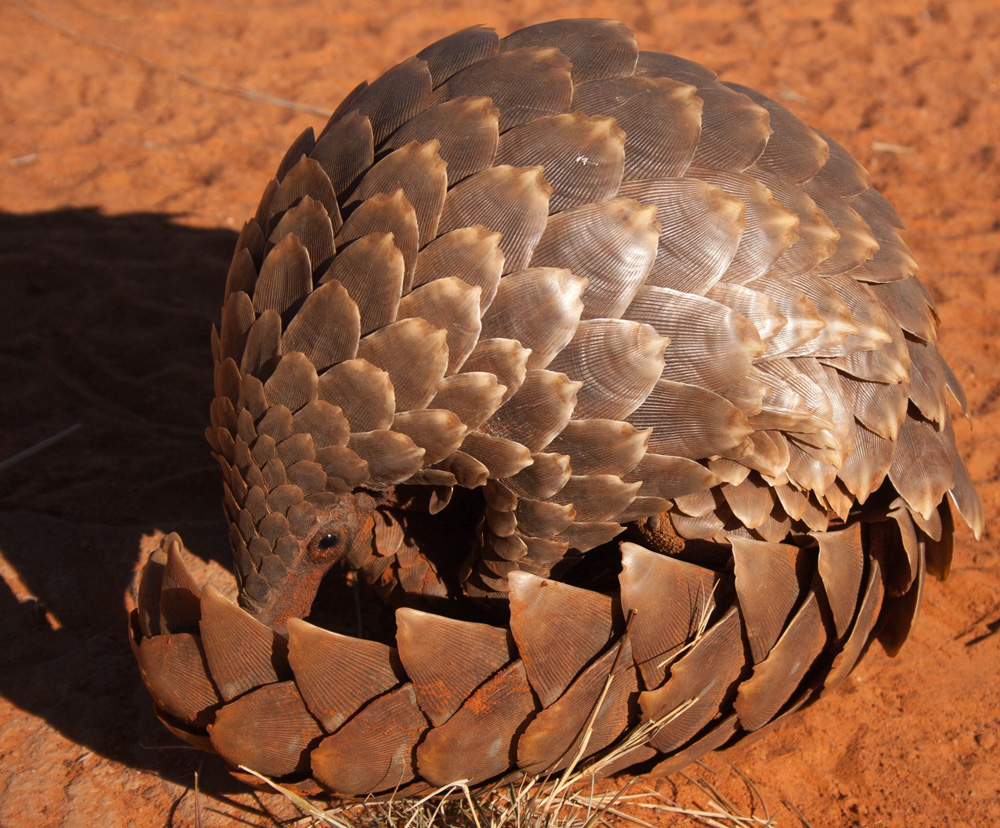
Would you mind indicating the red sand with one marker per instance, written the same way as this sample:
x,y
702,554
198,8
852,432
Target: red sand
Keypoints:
x,y
129,160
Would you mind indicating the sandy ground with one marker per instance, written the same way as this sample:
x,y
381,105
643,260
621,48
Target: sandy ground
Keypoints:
x,y
137,136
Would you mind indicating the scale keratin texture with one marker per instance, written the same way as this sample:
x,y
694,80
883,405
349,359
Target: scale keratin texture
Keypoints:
x,y
582,364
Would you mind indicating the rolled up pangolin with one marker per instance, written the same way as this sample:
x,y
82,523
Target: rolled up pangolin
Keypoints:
x,y
612,387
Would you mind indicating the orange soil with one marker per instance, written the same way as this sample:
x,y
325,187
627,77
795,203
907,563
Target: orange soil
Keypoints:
x,y
129,159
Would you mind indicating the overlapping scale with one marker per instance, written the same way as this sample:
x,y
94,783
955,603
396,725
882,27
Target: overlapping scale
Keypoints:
x,y
237,316
241,652
546,475
359,760
583,157
180,596
466,130
770,228
285,277
670,477
505,358
539,410
268,730
711,345
175,674
305,179
391,456
553,294
921,469
856,244
310,223
419,171
611,244
436,430
846,177
777,677
689,421
582,722
453,53
414,354
817,237
841,567
700,231
327,327
345,151
362,391
596,48
552,644
769,580
386,213
472,397
371,270
617,361
478,741
601,446
401,93
705,675
863,622
252,240
338,675
502,457
512,201
794,151
671,598
471,253
451,305
597,498
448,659
524,84
734,129
910,305
661,119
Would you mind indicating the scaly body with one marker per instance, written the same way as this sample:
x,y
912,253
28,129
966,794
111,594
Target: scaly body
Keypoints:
x,y
520,297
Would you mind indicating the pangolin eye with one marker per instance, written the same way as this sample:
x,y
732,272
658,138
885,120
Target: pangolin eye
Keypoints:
x,y
329,541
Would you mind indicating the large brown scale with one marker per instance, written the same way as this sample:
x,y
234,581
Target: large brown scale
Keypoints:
x,y
589,365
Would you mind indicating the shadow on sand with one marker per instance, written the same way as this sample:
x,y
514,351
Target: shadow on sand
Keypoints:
x,y
106,323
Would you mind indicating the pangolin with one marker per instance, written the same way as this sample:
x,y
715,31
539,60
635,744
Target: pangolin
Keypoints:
x,y
610,385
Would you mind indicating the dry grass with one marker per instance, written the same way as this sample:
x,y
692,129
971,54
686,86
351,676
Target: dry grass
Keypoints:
x,y
573,802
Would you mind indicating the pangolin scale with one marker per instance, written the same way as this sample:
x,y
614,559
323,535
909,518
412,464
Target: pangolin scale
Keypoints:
x,y
591,368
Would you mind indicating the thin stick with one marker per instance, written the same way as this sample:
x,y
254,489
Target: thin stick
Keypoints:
x,y
197,802
706,613
589,726
442,790
472,805
302,804
167,747
798,813
267,811
720,800
708,817
187,77
610,805
44,444
753,791
359,619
